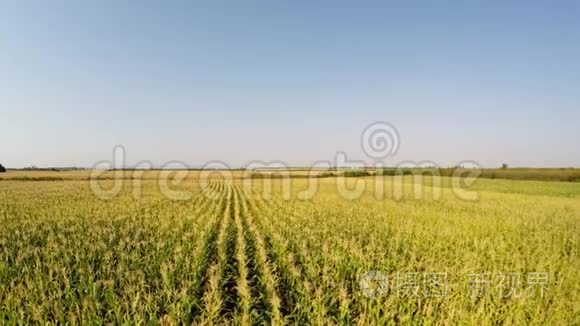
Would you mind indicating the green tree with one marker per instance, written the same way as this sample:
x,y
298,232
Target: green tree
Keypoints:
x,y
2,168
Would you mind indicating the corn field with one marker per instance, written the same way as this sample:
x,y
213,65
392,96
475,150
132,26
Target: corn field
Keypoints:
x,y
246,257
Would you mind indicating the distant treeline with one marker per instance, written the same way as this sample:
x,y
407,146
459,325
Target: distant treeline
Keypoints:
x,y
173,169
540,174
50,169
25,178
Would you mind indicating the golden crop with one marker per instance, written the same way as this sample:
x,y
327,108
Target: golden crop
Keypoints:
x,y
247,257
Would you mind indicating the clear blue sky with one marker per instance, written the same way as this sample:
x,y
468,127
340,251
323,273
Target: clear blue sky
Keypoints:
x,y
288,80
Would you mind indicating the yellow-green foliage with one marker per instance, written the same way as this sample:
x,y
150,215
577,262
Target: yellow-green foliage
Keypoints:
x,y
243,257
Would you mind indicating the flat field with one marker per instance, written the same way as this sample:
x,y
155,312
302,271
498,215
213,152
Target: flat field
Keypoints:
x,y
229,253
